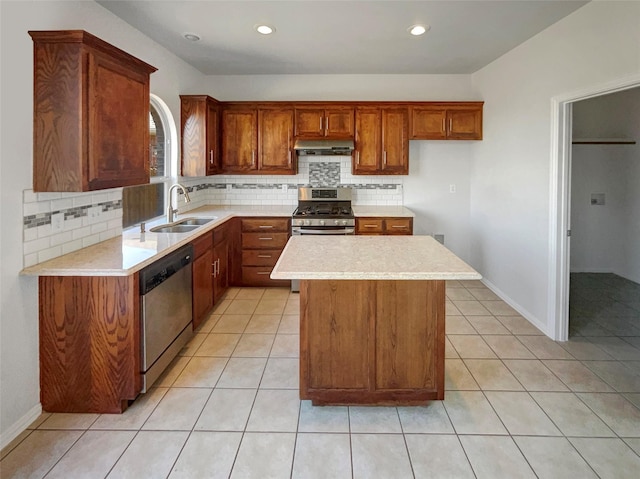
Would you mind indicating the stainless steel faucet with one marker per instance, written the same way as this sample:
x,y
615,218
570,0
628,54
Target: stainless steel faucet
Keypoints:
x,y
170,210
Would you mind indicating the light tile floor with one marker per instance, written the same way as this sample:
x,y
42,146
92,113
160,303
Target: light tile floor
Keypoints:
x,y
517,403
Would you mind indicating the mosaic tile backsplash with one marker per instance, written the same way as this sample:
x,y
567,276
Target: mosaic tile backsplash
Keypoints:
x,y
59,223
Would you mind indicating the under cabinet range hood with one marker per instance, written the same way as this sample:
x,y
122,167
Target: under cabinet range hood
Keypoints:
x,y
324,147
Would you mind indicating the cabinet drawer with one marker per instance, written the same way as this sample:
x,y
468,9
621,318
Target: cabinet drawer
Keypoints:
x,y
265,257
399,226
265,224
202,244
256,275
266,240
369,225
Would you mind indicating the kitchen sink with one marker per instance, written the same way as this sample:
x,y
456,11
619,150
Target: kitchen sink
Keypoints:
x,y
182,226
174,228
194,221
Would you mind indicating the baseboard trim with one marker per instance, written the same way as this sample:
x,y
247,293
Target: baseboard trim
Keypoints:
x,y
20,425
522,311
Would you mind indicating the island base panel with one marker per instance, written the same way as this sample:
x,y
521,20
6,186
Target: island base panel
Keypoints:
x,y
372,342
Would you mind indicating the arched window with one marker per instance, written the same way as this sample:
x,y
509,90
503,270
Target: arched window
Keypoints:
x,y
144,202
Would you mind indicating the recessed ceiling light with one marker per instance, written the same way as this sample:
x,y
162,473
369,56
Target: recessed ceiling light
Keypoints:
x,y
265,29
417,30
191,37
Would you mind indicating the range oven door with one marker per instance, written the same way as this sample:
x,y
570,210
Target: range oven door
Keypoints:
x,y
306,230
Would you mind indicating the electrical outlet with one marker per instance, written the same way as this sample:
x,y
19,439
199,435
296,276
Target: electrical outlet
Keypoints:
x,y
228,187
284,187
57,222
452,188
94,213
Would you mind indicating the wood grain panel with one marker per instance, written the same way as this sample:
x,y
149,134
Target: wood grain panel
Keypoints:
x,y
239,140
265,240
202,274
335,328
428,123
260,276
142,202
89,343
339,123
368,141
465,124
260,257
366,226
309,122
408,314
276,142
194,136
398,226
58,108
395,141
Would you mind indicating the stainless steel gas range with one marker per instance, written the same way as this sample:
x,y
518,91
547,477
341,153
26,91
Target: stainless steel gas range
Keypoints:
x,y
322,211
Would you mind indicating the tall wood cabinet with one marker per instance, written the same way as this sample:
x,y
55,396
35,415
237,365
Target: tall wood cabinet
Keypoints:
x,y
382,141
258,141
239,140
91,114
199,124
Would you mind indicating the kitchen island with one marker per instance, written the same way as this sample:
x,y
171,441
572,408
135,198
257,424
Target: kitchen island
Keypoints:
x,y
372,313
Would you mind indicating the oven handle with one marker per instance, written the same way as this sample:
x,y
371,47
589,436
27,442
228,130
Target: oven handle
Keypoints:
x,y
306,231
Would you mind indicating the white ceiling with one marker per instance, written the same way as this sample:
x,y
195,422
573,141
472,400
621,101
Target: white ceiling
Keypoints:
x,y
341,37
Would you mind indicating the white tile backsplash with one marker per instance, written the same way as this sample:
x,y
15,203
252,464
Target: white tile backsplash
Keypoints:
x,y
81,229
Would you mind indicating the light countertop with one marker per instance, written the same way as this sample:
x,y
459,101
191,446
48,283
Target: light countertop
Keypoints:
x,y
370,258
132,251
379,211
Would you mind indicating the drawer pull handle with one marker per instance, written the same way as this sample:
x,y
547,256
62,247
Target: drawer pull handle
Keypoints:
x,y
263,272
264,256
266,239
370,226
266,226
397,226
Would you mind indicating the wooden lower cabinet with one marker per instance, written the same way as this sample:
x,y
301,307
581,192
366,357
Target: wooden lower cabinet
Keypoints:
x,y
202,274
89,343
372,342
384,226
262,241
210,271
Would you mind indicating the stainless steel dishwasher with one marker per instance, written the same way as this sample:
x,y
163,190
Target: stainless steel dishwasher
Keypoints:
x,y
165,289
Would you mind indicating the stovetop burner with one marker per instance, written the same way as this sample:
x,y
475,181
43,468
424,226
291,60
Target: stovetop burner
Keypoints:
x,y
323,210
323,207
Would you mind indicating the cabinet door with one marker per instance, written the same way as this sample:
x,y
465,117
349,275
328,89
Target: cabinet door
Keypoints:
x,y
335,335
118,125
309,122
428,123
221,278
212,151
339,123
202,287
239,140
395,141
368,142
464,124
276,137
409,326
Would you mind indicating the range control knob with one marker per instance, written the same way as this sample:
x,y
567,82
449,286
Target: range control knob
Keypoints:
x,y
321,222
336,222
307,222
344,222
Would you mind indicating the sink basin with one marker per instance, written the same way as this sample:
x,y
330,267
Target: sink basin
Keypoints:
x,y
182,226
174,228
194,221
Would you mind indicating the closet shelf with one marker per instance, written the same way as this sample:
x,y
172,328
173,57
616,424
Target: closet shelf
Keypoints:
x,y
603,141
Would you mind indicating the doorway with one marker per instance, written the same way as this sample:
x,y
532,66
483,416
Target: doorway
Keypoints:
x,y
560,225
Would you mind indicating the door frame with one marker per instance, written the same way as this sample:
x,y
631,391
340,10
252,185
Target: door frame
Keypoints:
x,y
560,200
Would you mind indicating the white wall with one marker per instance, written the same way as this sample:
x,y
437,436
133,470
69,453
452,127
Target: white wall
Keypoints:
x,y
19,395
605,238
510,204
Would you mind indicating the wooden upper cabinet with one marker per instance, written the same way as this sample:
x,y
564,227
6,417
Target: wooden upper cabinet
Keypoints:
x,y
239,140
91,114
382,141
447,121
324,122
200,131
275,144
